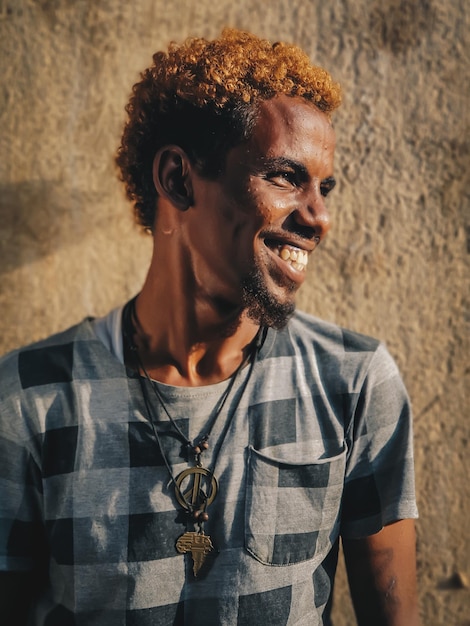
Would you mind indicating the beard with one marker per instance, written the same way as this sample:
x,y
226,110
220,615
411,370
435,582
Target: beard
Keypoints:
x,y
262,306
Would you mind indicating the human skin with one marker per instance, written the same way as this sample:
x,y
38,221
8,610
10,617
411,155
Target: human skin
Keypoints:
x,y
193,325
382,576
210,234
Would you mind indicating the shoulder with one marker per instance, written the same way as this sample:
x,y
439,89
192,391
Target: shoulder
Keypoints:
x,y
73,354
42,384
81,331
48,360
326,342
328,336
335,353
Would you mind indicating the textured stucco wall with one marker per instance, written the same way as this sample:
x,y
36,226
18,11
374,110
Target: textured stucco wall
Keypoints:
x,y
395,264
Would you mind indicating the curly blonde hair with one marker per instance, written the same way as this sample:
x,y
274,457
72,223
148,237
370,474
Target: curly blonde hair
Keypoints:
x,y
204,96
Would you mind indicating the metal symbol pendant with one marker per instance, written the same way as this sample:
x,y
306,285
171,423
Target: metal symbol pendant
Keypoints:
x,y
198,544
197,493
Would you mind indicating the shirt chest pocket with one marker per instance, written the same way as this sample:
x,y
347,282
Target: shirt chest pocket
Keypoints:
x,y
292,510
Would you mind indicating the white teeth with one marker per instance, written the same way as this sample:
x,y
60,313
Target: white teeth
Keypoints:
x,y
295,257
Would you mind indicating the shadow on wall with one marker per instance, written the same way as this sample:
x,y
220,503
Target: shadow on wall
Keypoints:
x,y
398,25
37,218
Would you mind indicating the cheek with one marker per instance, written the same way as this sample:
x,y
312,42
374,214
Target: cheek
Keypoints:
x,y
276,206
272,203
259,204
235,228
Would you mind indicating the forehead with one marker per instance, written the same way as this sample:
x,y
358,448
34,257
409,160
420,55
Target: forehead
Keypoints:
x,y
292,127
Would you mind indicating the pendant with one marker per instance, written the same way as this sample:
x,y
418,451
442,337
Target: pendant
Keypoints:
x,y
198,544
196,488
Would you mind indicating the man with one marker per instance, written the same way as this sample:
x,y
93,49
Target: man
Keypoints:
x,y
195,456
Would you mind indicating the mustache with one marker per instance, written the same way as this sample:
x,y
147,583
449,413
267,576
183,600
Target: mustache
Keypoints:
x,y
300,236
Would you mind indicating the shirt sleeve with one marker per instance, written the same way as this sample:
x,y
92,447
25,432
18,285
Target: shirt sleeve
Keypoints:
x,y
21,527
379,481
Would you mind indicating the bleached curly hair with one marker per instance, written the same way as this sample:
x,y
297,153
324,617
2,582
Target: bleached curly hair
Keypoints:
x,y
204,96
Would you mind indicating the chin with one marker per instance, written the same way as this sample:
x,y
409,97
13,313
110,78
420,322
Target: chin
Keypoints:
x,y
267,306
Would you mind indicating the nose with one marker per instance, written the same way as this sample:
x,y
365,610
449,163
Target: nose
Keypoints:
x,y
313,216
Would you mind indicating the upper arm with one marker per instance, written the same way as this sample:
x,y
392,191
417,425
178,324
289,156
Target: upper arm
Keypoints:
x,y
15,597
382,576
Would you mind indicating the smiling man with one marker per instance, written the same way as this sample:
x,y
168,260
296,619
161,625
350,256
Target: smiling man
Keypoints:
x,y
196,456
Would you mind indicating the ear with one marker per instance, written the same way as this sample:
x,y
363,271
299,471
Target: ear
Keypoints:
x,y
172,176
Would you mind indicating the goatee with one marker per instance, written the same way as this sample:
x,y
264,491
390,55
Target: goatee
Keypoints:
x,y
260,304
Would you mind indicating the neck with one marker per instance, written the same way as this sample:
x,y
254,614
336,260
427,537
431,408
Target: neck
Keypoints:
x,y
188,339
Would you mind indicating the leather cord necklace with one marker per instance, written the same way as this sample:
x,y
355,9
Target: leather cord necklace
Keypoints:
x,y
195,487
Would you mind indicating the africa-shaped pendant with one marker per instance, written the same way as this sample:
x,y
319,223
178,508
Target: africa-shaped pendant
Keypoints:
x,y
198,544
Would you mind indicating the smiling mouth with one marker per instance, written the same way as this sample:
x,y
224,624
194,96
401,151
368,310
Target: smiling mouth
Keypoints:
x,y
293,256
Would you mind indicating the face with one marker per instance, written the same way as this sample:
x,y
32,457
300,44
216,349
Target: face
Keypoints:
x,y
254,228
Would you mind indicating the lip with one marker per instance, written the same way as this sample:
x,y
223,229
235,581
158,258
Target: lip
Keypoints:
x,y
293,242
289,255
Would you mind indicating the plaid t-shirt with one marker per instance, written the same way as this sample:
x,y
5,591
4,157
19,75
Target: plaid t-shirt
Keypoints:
x,y
319,445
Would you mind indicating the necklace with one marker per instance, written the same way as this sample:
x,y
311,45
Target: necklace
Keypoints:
x,y
195,487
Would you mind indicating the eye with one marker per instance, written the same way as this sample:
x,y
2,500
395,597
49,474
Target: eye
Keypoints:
x,y
327,185
282,177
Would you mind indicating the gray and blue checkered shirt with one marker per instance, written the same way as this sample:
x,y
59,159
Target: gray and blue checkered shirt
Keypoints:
x,y
319,445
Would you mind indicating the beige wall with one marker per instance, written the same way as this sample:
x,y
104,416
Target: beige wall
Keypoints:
x,y
396,262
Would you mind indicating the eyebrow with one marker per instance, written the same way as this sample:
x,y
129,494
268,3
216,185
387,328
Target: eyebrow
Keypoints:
x,y
329,182
274,163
